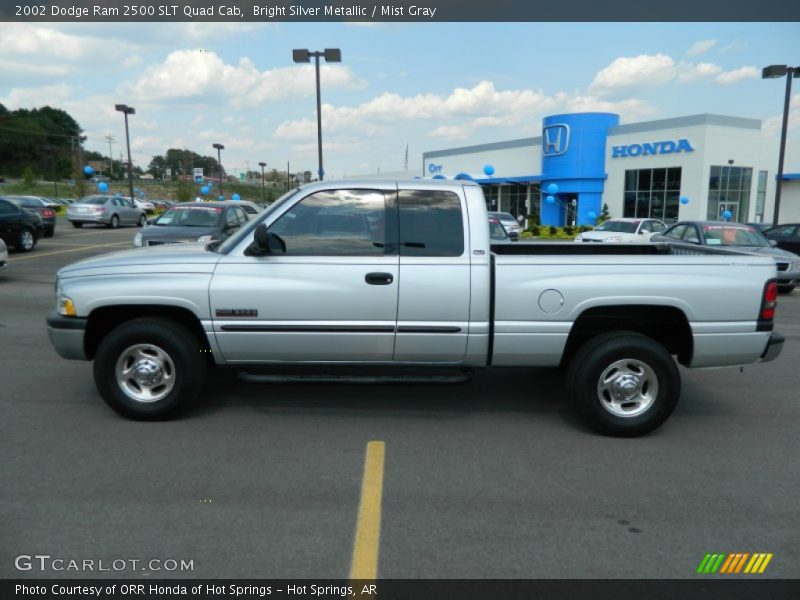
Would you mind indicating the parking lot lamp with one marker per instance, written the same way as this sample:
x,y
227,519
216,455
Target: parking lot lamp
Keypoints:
x,y
128,110
776,72
219,148
262,165
304,56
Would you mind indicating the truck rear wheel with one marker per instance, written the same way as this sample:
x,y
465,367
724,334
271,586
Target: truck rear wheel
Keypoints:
x,y
149,368
623,383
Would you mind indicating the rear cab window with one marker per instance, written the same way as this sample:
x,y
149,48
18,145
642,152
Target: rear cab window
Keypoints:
x,y
431,223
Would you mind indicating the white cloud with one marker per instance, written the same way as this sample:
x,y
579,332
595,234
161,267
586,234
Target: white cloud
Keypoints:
x,y
203,74
737,75
34,97
450,132
629,109
694,72
634,71
772,126
701,47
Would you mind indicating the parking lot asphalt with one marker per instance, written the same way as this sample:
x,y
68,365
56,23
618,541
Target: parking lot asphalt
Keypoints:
x,y
495,478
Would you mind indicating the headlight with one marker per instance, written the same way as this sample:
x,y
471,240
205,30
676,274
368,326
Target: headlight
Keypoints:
x,y
137,240
614,238
66,306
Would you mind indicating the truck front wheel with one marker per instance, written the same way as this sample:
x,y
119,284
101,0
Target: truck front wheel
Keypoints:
x,y
623,383
149,368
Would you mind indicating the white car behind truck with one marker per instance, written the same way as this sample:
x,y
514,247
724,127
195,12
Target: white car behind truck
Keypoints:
x,y
376,276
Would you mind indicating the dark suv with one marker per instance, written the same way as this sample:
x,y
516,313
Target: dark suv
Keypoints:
x,y
19,227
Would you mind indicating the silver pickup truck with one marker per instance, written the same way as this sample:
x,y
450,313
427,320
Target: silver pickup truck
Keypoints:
x,y
372,276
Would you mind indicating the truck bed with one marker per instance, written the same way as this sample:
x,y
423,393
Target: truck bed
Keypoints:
x,y
572,249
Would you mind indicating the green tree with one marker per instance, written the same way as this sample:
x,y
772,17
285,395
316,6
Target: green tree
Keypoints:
x,y
604,214
185,191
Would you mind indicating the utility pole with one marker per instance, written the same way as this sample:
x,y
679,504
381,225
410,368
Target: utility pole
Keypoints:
x,y
110,139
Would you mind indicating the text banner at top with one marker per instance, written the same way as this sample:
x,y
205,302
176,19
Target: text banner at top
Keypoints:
x,y
424,11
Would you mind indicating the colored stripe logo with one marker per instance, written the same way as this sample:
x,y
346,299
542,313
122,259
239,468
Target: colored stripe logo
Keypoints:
x,y
735,563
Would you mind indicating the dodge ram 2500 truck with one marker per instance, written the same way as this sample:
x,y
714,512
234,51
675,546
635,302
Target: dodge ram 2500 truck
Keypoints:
x,y
371,275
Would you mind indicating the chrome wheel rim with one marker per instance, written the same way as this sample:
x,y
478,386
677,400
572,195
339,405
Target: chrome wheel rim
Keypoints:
x,y
627,387
145,373
114,222
26,239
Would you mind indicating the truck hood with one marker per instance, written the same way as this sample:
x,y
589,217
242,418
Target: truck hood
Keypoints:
x,y
171,258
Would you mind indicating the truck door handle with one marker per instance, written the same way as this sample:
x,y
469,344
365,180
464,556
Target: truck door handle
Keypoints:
x,y
379,278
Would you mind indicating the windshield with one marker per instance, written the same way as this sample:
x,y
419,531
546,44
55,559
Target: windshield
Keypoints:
x,y
496,230
190,216
618,226
245,231
726,235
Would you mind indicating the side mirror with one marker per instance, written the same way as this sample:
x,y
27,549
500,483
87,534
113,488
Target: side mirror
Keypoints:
x,y
773,243
265,242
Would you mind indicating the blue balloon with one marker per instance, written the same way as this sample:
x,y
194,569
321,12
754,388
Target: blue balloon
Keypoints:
x,y
440,176
684,200
552,188
463,177
88,170
727,215
102,187
236,197
222,197
550,199
489,170
204,190
591,214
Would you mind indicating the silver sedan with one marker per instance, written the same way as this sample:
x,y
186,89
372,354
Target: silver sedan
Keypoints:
x,y
3,255
111,211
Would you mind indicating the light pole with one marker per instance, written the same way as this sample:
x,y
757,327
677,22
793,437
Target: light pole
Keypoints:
x,y
775,72
263,195
128,110
219,148
304,56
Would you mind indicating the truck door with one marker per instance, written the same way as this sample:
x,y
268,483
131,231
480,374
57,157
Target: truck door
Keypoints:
x,y
433,309
332,296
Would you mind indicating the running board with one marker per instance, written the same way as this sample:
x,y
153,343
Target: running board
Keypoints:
x,y
418,376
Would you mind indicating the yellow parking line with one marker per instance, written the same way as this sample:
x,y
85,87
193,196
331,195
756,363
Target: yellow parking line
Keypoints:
x,y
42,254
368,527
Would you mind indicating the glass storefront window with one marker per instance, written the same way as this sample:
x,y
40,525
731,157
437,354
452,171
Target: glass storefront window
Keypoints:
x,y
761,194
729,189
652,193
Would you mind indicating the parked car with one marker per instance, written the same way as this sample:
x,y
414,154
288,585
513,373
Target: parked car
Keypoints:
x,y
497,233
760,226
40,206
786,237
511,224
736,236
3,254
629,230
305,284
19,227
147,206
111,211
193,222
161,204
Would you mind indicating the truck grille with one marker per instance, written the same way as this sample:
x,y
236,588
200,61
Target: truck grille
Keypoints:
x,y
782,266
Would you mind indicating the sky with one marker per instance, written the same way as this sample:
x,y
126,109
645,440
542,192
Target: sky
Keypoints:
x,y
422,86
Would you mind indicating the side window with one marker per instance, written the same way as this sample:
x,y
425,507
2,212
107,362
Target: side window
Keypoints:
x,y
676,232
231,217
116,202
657,227
691,235
6,208
242,215
430,223
335,223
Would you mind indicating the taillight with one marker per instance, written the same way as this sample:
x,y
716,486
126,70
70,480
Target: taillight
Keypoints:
x,y
47,213
770,301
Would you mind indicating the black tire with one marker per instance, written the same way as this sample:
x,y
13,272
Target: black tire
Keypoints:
x,y
785,289
179,345
142,221
78,225
26,240
114,222
600,354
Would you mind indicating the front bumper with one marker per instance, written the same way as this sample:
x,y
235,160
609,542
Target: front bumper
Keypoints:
x,y
774,347
66,334
788,277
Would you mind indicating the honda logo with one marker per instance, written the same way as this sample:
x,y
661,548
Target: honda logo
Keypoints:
x,y
555,139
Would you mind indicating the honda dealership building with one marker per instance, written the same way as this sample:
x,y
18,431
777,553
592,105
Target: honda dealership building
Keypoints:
x,y
693,167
